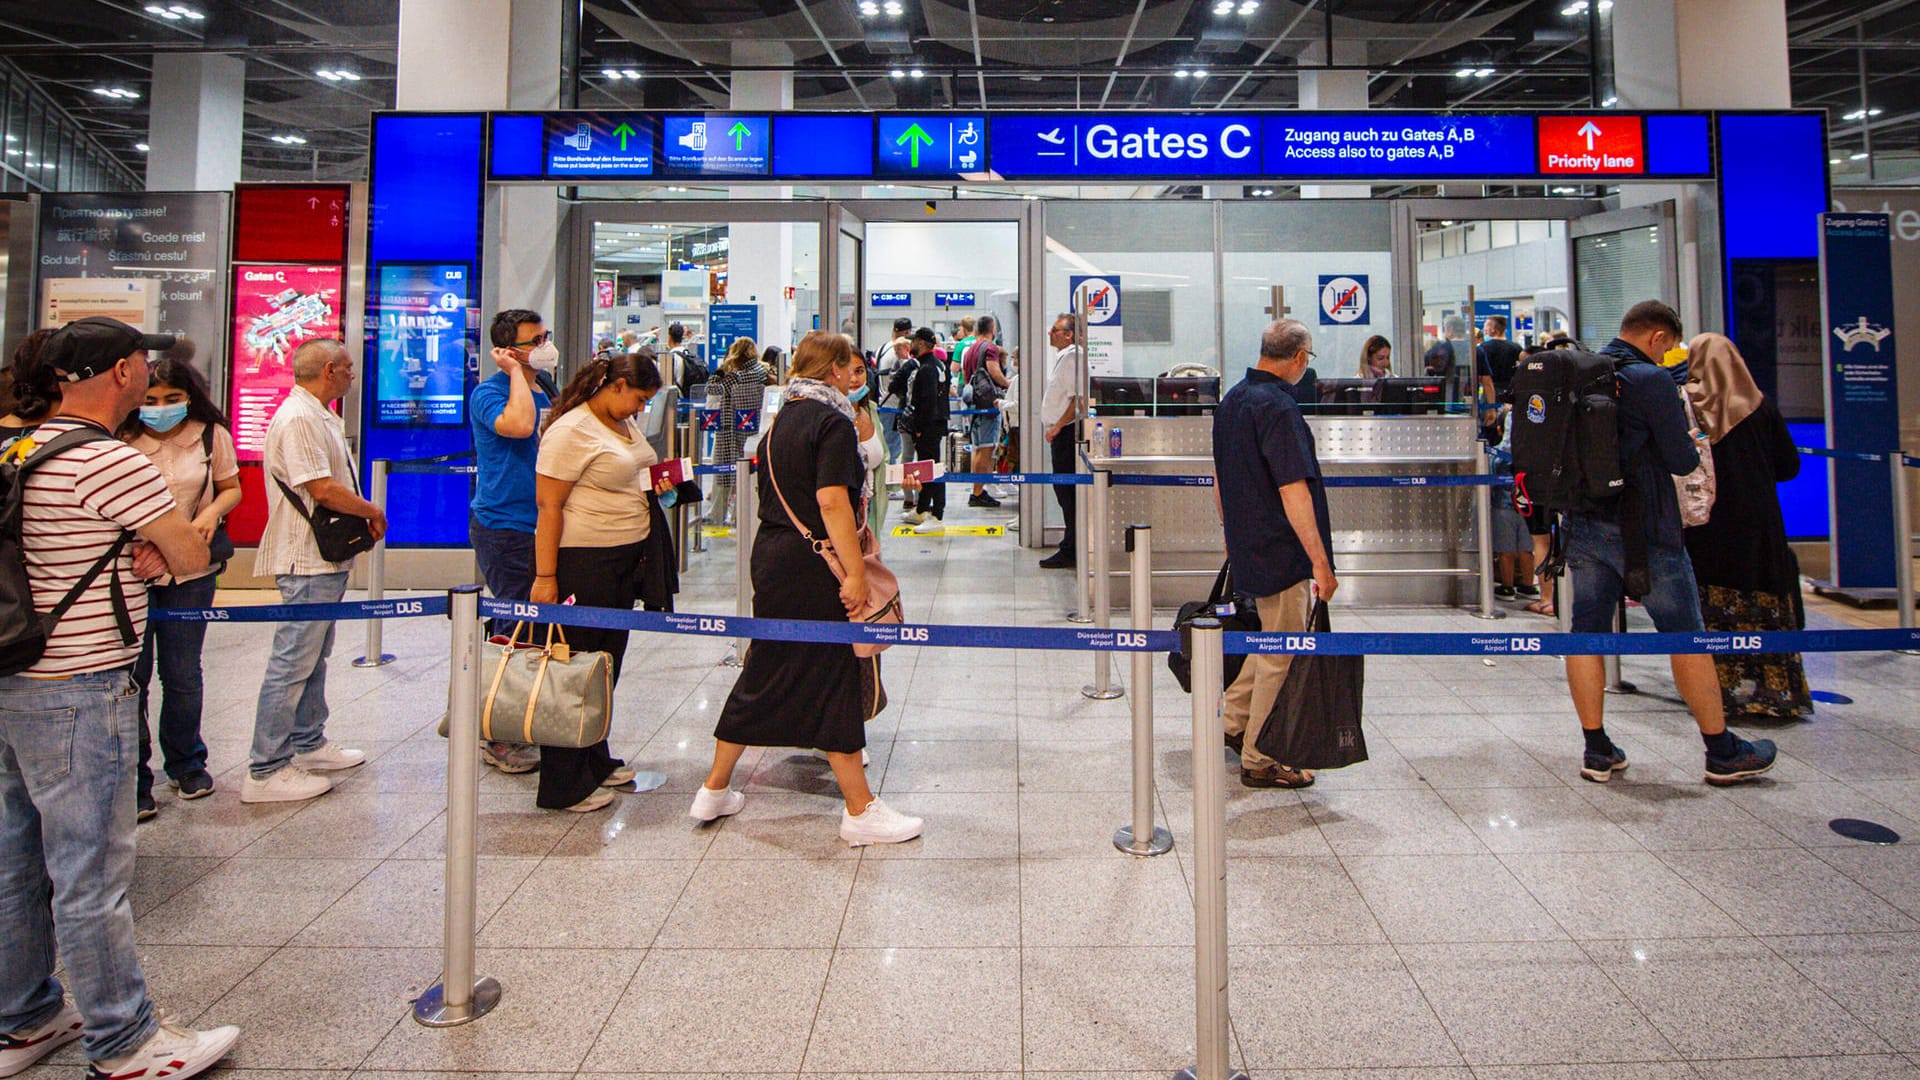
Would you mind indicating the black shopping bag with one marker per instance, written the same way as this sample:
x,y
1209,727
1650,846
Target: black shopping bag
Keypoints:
x,y
1236,611
1315,723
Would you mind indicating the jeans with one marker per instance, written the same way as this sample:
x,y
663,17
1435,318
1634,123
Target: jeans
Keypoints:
x,y
292,715
1597,566
66,856
505,557
176,646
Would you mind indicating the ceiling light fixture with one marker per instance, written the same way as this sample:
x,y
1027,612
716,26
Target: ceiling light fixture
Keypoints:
x,y
1224,7
1182,73
869,8
120,92
916,73
1609,101
289,140
892,7
1861,114
1482,73
1861,156
1565,191
1248,7
897,73
1200,73
630,73
1463,73
338,75
140,146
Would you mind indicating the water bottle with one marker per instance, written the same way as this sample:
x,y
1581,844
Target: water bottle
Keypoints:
x,y
1113,442
1099,436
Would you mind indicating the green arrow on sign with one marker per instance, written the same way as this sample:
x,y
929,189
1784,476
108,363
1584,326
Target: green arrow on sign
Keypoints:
x,y
912,139
621,133
739,131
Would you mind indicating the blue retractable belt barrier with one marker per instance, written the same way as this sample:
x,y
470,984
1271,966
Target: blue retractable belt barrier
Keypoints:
x,y
1079,640
1196,481
440,463
713,470
1842,455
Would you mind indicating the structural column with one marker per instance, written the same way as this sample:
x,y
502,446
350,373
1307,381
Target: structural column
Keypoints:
x,y
1328,89
195,120
760,255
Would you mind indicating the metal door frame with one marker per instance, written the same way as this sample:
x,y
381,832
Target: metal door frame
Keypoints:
x,y
1408,307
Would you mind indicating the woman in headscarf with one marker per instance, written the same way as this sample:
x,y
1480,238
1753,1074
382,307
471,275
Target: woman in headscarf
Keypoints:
x,y
1749,578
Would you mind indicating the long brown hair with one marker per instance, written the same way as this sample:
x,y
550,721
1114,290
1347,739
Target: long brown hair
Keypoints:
x,y
818,353
636,369
1374,344
30,390
741,353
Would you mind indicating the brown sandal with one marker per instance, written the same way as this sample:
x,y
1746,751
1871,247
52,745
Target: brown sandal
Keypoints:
x,y
1542,607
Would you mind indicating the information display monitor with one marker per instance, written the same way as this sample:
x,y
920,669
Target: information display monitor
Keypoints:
x,y
425,340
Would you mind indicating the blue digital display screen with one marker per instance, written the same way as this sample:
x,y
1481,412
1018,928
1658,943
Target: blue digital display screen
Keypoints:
x,y
889,299
1382,144
426,181
1773,184
516,146
715,144
1679,146
600,144
936,146
822,146
1125,144
424,331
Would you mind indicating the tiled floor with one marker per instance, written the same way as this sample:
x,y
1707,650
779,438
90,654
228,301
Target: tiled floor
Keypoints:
x,y
1461,906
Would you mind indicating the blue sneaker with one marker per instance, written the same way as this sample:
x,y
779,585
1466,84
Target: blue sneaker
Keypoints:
x,y
1600,768
1749,760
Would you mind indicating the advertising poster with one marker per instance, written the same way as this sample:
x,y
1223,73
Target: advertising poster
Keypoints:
x,y
275,308
424,337
1102,295
1863,393
134,301
177,240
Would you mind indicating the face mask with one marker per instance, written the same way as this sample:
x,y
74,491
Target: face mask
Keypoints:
x,y
858,393
163,417
544,356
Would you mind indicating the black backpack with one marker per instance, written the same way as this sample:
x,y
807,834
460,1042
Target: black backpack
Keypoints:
x,y
1566,433
24,631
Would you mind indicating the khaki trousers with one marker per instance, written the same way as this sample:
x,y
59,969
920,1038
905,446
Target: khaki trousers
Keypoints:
x,y
1249,701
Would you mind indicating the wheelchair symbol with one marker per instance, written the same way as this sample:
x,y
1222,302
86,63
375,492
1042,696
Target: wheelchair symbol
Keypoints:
x,y
968,135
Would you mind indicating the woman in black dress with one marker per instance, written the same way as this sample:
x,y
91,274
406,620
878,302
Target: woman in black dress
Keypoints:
x,y
795,693
1748,577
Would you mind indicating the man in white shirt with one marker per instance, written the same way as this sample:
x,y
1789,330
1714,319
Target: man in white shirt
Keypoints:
x,y
306,449
1060,409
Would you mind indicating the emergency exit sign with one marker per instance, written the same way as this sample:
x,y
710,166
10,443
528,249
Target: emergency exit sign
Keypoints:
x,y
1590,145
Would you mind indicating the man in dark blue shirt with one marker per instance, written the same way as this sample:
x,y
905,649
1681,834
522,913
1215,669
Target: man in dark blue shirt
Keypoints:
x,y
1655,447
1279,540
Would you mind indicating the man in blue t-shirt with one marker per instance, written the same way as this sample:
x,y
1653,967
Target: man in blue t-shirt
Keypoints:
x,y
1279,539
1655,447
506,410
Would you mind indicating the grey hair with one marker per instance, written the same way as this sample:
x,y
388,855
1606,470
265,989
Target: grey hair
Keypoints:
x,y
1455,326
1285,340
1067,315
312,355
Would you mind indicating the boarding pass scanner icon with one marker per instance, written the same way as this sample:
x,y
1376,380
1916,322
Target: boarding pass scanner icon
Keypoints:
x,y
581,139
697,138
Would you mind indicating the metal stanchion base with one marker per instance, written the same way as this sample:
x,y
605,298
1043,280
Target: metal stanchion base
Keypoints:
x,y
1489,615
1098,694
1194,1074
365,661
430,1008
1160,844
1077,618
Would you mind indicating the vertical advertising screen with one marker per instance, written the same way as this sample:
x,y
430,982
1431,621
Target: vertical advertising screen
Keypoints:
x,y
424,334
275,308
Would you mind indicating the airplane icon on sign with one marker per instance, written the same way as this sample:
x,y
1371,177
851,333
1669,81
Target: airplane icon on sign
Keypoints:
x,y
1053,137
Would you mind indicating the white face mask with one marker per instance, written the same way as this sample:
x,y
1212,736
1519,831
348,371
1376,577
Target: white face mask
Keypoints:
x,y
544,356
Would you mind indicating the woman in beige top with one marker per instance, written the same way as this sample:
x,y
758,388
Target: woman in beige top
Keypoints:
x,y
184,433
591,485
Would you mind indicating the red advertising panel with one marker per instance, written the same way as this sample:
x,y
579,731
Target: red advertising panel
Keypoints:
x,y
275,308
1592,145
274,223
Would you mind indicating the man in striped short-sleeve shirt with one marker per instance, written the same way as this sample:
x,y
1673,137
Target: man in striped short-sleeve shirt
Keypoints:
x,y
69,729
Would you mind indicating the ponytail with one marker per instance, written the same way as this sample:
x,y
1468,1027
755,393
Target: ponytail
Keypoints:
x,y
636,370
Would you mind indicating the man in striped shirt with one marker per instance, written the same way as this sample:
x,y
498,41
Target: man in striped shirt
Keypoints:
x,y
69,728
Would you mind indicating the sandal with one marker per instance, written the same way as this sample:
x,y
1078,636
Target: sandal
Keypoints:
x,y
1542,607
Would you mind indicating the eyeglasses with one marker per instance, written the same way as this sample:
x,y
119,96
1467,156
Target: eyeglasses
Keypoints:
x,y
1312,356
541,339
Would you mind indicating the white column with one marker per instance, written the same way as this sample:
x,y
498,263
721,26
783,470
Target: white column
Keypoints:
x,y
453,54
1322,89
194,122
760,254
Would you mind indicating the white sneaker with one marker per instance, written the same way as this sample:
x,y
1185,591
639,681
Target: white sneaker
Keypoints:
x,y
913,517
713,805
330,757
622,775
291,784
878,824
599,800
20,1049
932,526
510,758
172,1053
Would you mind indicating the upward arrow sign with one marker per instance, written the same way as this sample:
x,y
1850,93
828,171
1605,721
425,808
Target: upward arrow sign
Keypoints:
x,y
622,133
1589,129
739,131
913,138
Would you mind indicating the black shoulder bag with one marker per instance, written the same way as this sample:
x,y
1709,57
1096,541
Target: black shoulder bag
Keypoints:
x,y
220,547
339,536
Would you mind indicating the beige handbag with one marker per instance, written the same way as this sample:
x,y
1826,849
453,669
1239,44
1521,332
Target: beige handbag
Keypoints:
x,y
546,695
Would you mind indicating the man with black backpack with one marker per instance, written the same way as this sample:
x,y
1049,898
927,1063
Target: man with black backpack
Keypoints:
x,y
1630,544
87,520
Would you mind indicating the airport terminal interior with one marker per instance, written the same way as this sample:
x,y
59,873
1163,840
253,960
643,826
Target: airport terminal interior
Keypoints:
x,y
1121,207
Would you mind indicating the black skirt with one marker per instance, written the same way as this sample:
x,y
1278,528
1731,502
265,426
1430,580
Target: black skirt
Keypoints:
x,y
794,693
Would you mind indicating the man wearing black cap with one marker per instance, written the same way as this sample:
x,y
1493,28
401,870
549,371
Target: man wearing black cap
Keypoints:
x,y
927,413
69,724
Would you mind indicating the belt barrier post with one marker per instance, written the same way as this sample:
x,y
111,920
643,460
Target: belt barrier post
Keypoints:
x,y
1099,555
376,572
682,448
1082,559
1154,841
1902,538
1483,525
460,997
1209,862
744,511
696,450
1616,684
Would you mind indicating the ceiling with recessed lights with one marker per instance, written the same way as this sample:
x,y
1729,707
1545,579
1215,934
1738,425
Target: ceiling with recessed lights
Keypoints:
x,y
315,68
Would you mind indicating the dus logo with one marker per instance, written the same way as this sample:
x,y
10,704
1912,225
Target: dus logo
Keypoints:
x,y
526,611
1300,643
213,615
1126,640
1746,641
913,633
409,607
713,626
1524,644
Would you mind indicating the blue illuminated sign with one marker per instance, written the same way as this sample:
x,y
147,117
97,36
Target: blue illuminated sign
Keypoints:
x,y
728,322
1125,144
517,144
1863,392
1356,144
953,299
806,146
715,144
423,333
599,144
889,299
931,145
